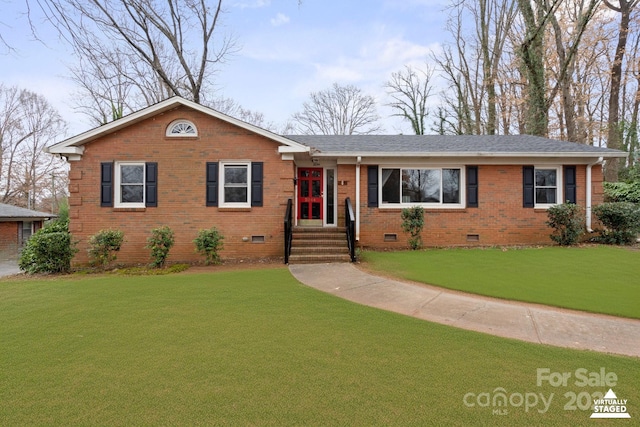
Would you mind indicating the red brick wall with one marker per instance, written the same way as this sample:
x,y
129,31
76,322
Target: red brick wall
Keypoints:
x,y
500,218
8,238
181,189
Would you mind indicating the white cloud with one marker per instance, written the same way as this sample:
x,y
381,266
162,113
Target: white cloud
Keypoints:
x,y
280,19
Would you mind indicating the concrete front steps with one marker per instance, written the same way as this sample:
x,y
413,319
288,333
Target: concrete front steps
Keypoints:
x,y
319,245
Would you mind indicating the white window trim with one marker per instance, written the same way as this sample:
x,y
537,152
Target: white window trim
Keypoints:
x,y
559,186
173,124
117,194
225,204
440,205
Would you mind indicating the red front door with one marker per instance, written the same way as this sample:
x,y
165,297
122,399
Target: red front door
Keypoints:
x,y
310,194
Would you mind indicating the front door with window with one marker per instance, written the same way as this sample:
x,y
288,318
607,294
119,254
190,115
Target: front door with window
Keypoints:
x,y
310,201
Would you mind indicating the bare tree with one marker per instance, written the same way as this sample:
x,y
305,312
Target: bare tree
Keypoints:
x,y
160,48
409,90
494,19
27,124
106,88
614,140
461,110
537,15
340,110
472,64
232,108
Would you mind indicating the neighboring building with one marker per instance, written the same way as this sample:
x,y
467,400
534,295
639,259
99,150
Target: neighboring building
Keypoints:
x,y
180,164
16,226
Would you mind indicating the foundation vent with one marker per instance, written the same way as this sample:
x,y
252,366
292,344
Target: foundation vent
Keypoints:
x,y
390,237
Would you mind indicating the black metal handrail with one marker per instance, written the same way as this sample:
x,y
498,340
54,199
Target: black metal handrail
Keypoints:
x,y
350,225
288,230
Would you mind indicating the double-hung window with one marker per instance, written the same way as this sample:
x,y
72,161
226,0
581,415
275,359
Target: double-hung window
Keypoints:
x,y
546,185
235,189
129,185
234,184
421,186
542,186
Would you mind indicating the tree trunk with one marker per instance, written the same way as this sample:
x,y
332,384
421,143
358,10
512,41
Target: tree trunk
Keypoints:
x,y
614,139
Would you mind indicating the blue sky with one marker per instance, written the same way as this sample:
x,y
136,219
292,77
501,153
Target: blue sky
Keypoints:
x,y
286,51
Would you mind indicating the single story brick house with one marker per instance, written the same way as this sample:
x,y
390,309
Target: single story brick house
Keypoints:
x,y
181,164
16,226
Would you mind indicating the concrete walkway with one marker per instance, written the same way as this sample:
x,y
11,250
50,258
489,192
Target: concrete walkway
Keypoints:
x,y
527,322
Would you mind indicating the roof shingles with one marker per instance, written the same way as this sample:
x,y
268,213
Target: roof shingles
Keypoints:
x,y
443,144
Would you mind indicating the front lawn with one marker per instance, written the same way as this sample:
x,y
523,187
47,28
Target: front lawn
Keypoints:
x,y
257,348
600,279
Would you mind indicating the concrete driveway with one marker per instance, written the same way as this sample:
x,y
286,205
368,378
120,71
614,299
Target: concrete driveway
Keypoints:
x,y
9,267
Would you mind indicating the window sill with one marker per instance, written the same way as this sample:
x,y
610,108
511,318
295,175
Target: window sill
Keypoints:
x,y
129,209
232,209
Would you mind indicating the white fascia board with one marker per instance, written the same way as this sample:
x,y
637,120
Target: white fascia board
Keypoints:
x,y
293,149
421,155
467,160
65,150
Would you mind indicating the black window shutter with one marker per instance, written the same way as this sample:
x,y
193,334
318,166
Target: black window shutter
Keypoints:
x,y
372,186
570,184
212,183
528,187
256,183
472,186
106,184
151,184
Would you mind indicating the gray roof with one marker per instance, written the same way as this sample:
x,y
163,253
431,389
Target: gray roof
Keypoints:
x,y
14,212
448,144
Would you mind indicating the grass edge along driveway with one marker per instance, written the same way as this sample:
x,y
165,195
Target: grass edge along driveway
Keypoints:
x,y
598,279
258,348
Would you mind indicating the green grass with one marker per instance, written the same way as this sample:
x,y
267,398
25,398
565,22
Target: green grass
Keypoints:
x,y
600,279
258,348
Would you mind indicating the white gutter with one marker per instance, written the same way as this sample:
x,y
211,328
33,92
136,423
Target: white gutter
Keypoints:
x,y
589,189
358,160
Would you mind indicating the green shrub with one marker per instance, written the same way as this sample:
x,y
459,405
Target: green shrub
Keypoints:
x,y
567,221
103,247
621,221
413,223
160,242
49,250
622,191
209,243
63,211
